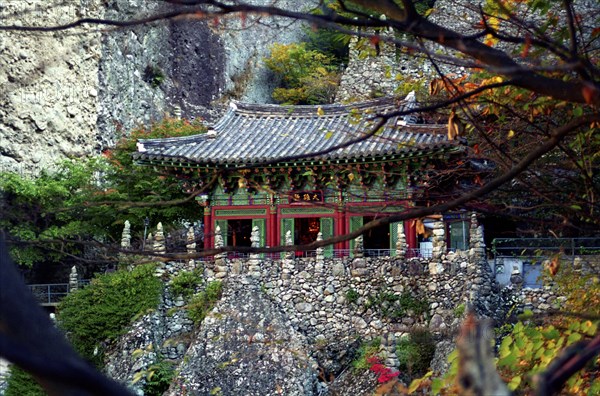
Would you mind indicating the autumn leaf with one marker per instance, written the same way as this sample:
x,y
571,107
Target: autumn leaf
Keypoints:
x,y
553,265
320,111
589,92
526,46
374,40
435,86
455,126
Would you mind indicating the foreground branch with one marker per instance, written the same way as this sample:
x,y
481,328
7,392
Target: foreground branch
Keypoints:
x,y
31,341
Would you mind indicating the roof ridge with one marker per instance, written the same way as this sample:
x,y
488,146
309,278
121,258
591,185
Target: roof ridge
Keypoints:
x,y
332,109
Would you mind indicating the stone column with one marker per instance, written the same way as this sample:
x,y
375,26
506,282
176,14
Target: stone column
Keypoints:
x,y
288,261
191,246
149,242
439,248
388,350
73,279
401,242
476,241
126,236
358,247
320,257
159,246
220,261
359,264
254,262
125,241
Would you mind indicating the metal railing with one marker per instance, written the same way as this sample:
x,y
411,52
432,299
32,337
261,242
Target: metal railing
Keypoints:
x,y
532,247
49,293
335,253
52,293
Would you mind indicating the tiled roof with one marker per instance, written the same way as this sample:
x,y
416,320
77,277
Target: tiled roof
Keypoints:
x,y
251,134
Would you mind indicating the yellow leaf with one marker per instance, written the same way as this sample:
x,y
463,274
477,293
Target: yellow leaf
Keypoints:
x,y
137,376
455,126
511,133
514,383
320,111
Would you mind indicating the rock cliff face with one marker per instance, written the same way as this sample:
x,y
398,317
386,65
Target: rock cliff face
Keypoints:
x,y
73,93
247,346
49,85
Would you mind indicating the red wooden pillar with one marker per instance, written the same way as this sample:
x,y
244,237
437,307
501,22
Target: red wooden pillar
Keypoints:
x,y
208,229
339,225
410,230
272,227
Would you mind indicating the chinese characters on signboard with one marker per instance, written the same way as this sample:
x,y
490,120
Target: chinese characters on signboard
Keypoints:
x,y
306,196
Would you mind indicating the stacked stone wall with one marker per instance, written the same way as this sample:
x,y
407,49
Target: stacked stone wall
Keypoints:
x,y
316,295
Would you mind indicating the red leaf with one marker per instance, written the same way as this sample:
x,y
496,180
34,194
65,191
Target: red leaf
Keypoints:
x,y
526,46
373,360
374,40
589,92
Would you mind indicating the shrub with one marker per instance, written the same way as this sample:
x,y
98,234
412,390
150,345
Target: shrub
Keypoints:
x,y
352,296
415,352
459,310
203,302
184,284
308,76
367,350
158,378
393,306
22,384
102,310
384,374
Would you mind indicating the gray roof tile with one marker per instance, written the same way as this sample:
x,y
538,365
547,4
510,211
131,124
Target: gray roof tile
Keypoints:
x,y
257,134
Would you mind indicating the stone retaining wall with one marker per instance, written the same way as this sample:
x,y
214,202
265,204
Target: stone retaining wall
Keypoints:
x,y
328,302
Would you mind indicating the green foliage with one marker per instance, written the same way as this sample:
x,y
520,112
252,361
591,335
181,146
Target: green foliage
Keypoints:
x,y
415,352
395,306
529,350
154,76
527,347
185,283
102,310
308,76
49,207
201,303
581,289
352,296
158,378
89,199
459,310
22,384
330,42
367,350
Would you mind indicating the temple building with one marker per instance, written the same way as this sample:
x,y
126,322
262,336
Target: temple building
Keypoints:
x,y
311,169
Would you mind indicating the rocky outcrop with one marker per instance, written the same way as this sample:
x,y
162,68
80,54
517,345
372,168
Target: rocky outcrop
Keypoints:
x,y
73,93
49,85
246,346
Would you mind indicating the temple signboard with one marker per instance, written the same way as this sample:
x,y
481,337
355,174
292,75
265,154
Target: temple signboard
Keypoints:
x,y
306,196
